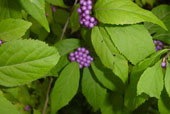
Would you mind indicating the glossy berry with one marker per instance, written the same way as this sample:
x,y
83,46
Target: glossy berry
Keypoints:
x,y
81,56
26,108
84,14
163,64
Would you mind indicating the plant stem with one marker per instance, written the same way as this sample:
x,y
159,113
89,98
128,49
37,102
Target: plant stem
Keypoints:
x,y
68,19
51,79
47,95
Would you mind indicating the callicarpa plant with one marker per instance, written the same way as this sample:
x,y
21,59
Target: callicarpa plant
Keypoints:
x,y
84,57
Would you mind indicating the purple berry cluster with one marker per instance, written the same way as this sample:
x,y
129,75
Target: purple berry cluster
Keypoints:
x,y
158,44
84,14
81,56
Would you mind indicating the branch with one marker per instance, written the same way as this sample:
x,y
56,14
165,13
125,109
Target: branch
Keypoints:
x,y
47,95
68,19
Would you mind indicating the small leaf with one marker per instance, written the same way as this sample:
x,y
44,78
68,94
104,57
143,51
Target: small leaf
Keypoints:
x,y
57,3
6,107
167,79
11,29
126,37
32,7
164,103
113,61
151,81
74,20
67,45
93,92
65,87
23,61
123,12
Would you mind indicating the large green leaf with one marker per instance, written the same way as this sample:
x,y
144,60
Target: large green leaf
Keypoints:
x,y
134,41
67,45
57,3
6,107
93,92
113,61
167,79
164,103
65,87
33,8
151,81
123,12
106,77
163,12
11,29
9,9
23,61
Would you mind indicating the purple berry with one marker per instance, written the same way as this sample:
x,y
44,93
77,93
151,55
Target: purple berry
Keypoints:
x,y
91,58
81,22
86,65
83,8
87,12
91,25
86,23
54,9
88,61
89,2
163,64
88,57
0,42
84,55
77,56
76,53
80,66
92,19
84,3
79,10
87,51
81,58
72,59
26,108
83,49
78,60
89,7
71,54
155,41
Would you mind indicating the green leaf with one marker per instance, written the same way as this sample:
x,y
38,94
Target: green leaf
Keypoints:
x,y
151,81
6,107
106,77
113,61
164,103
57,3
93,92
167,79
132,100
163,13
67,45
36,12
74,20
63,14
63,61
123,12
37,29
39,3
65,87
11,29
10,9
126,37
113,104
23,61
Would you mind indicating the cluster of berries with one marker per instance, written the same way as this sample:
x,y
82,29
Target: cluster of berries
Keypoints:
x,y
84,14
81,56
158,45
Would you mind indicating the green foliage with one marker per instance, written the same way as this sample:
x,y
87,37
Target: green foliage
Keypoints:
x,y
9,9
6,107
65,87
12,29
123,12
111,60
126,37
163,13
93,92
151,81
36,10
25,61
57,3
